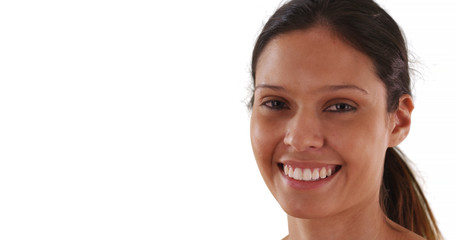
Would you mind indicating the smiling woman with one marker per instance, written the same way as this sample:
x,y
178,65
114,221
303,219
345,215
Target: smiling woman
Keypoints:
x,y
331,102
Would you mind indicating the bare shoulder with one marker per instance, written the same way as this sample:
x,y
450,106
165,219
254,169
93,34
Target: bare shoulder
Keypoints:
x,y
401,233
412,236
405,235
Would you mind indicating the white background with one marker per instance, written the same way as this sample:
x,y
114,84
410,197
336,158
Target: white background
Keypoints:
x,y
127,119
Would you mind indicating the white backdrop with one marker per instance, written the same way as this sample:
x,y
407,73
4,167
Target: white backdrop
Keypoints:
x,y
127,120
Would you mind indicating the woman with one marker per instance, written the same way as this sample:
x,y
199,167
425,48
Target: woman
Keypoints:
x,y
331,102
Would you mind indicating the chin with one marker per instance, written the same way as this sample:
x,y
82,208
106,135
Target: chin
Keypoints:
x,y
306,209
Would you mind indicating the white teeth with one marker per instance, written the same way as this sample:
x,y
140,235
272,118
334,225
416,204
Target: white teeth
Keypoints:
x,y
298,174
307,174
291,173
315,175
323,173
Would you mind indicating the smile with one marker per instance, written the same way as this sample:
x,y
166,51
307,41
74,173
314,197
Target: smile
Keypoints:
x,y
309,174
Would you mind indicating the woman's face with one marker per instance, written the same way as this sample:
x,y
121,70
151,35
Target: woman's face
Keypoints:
x,y
319,125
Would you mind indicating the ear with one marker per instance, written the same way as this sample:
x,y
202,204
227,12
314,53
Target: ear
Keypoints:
x,y
401,120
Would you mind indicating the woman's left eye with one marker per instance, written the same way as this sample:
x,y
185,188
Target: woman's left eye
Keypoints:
x,y
340,107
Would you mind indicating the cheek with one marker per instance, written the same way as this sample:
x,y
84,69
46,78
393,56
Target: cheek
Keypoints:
x,y
367,135
362,145
264,140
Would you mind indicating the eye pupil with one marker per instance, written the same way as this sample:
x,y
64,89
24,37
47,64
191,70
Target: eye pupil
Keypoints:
x,y
342,106
277,104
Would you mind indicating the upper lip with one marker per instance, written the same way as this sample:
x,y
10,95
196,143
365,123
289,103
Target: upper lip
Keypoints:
x,y
308,164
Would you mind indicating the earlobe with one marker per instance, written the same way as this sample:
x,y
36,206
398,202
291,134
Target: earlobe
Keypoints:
x,y
401,121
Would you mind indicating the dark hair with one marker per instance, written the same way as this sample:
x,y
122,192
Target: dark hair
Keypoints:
x,y
368,28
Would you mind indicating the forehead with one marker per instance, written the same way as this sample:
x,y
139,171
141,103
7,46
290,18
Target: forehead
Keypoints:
x,y
311,58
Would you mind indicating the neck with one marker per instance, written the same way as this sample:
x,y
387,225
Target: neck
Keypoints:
x,y
364,222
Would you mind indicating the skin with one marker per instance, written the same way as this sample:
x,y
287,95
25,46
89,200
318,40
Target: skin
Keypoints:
x,y
318,101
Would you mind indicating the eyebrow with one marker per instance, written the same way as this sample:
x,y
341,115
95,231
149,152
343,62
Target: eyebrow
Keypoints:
x,y
273,87
327,88
347,86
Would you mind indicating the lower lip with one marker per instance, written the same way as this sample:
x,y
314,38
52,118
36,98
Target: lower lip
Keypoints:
x,y
307,185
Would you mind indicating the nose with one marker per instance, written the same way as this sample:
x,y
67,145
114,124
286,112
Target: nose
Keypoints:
x,y
303,132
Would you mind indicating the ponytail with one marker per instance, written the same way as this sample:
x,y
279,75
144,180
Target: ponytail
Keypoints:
x,y
402,198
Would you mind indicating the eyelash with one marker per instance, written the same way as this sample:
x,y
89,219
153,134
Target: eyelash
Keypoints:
x,y
339,107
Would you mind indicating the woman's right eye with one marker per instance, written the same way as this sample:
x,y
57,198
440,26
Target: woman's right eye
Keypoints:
x,y
275,105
